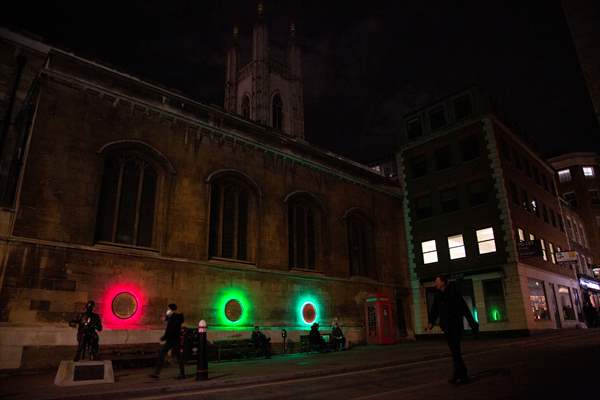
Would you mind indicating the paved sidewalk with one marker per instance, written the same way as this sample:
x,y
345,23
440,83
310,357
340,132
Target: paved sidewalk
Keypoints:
x,y
133,382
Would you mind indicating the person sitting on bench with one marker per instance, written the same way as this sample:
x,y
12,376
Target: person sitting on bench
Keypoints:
x,y
261,342
316,341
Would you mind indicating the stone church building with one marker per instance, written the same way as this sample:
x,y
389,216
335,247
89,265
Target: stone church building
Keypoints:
x,y
117,190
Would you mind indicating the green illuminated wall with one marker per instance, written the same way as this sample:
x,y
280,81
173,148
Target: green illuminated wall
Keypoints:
x,y
233,293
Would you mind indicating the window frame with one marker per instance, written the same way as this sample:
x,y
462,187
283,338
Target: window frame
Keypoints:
x,y
434,251
461,246
480,241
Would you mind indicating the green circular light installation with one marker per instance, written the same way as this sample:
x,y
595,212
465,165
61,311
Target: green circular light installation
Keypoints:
x,y
303,304
229,298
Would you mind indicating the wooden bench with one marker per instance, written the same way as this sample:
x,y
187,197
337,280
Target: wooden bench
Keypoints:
x,y
131,355
236,349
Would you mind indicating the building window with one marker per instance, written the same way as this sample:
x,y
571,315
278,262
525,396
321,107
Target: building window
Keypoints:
x,y
449,200
437,118
543,245
595,196
531,237
462,107
552,255
534,207
477,192
277,112
419,166
127,201
588,172
525,199
513,192
537,300
485,240
571,198
302,232
552,218
423,208
527,167
469,148
414,128
583,237
246,107
517,159
521,234
564,175
536,175
545,213
456,245
545,183
358,245
566,303
504,150
229,219
494,300
570,229
429,252
443,157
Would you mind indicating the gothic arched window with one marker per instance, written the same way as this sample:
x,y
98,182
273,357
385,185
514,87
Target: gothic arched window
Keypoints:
x,y
128,200
303,220
277,112
358,245
246,107
229,225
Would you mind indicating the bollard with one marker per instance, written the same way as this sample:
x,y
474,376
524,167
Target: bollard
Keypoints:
x,y
202,365
284,339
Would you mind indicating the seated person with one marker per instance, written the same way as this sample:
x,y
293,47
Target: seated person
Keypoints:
x,y
261,342
338,341
315,339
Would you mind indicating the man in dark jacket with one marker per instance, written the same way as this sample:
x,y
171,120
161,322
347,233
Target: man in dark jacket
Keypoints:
x,y
450,307
172,339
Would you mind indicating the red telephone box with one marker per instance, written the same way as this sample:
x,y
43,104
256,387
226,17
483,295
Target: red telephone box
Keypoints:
x,y
379,321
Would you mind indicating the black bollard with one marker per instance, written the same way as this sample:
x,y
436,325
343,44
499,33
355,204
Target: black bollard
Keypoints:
x,y
284,339
202,365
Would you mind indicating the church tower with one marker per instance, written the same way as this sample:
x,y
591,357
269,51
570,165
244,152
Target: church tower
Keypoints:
x,y
266,90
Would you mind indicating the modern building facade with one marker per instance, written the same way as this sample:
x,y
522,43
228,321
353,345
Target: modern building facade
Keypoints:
x,y
135,196
482,207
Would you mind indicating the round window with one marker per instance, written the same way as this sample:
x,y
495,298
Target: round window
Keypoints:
x,y
233,310
124,305
309,313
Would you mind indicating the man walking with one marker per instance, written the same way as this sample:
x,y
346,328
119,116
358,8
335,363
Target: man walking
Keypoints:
x,y
450,307
172,339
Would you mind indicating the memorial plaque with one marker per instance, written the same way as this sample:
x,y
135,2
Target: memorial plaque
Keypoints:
x,y
88,372
124,305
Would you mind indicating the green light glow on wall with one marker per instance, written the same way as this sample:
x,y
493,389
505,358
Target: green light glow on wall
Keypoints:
x,y
226,295
495,315
475,315
303,303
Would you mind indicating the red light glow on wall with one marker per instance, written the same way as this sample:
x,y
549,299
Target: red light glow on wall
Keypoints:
x,y
114,320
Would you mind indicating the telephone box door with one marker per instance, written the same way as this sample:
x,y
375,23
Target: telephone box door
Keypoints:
x,y
379,320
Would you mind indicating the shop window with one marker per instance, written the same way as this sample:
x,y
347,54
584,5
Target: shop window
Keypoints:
x,y
478,193
437,118
414,128
495,306
564,175
449,200
429,251
423,207
456,246
537,300
443,157
566,303
485,240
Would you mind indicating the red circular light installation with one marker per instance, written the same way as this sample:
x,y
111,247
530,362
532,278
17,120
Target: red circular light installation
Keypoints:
x,y
309,313
110,318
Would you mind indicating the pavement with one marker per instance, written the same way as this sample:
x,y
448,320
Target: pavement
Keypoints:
x,y
228,375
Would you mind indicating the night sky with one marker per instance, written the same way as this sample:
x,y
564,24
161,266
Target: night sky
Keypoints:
x,y
365,63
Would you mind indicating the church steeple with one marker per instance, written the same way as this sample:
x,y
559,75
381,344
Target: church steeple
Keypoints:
x,y
266,90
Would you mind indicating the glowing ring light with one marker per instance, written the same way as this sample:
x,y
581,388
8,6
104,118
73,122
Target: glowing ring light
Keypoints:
x,y
124,305
233,310
308,312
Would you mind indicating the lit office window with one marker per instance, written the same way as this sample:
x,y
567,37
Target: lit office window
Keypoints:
x,y
588,172
456,245
531,237
544,255
564,175
552,257
521,234
429,252
485,240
